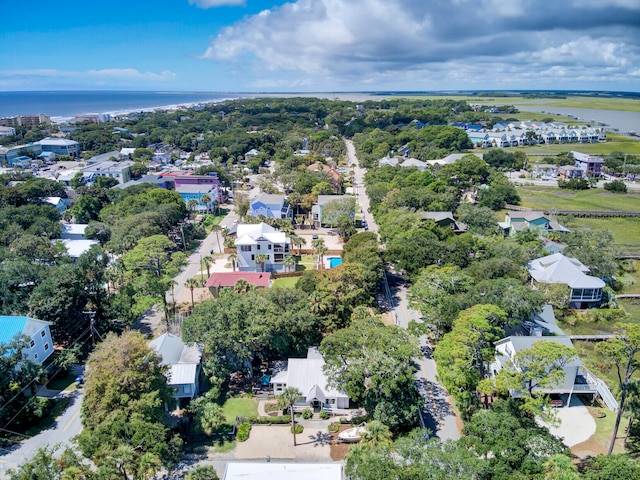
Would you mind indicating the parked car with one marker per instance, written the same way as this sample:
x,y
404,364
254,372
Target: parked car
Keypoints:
x,y
314,236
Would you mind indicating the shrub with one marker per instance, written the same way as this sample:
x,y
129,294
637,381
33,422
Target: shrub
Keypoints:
x,y
359,420
299,429
324,415
307,413
243,432
281,420
617,186
334,427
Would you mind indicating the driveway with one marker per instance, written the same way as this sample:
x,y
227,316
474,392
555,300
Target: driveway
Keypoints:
x,y
576,423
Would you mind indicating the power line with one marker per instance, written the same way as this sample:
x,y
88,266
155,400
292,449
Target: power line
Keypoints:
x,y
29,384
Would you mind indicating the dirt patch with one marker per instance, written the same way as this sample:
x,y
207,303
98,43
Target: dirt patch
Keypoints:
x,y
590,448
339,450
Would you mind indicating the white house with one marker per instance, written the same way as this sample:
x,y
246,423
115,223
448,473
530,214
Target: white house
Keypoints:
x,y
40,344
255,239
183,362
118,170
307,376
558,269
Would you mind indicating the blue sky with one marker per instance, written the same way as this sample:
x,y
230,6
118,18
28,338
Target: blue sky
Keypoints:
x,y
319,45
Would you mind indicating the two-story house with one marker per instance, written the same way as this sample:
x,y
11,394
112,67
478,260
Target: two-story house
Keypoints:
x,y
586,290
590,165
261,239
184,365
526,221
323,200
271,206
40,344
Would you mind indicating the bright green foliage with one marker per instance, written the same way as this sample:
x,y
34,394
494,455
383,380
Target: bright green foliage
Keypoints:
x,y
123,408
48,464
509,443
274,323
438,293
372,363
150,268
414,456
16,376
202,472
611,467
534,370
243,432
462,354
287,399
622,353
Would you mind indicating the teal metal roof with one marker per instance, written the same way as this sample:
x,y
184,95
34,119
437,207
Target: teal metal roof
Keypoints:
x,y
10,326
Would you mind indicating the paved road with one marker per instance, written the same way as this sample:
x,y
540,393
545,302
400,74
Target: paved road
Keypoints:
x,y
437,413
514,178
66,426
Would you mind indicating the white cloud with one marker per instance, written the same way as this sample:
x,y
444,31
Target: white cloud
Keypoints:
x,y
347,43
112,76
215,3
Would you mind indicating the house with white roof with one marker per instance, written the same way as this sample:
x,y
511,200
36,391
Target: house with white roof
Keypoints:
x,y
59,203
73,231
255,239
184,362
414,162
282,471
586,290
307,376
40,344
391,161
118,170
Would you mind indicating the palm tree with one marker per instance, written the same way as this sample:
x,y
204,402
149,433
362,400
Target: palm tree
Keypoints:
x,y
208,260
217,229
233,258
192,283
206,199
148,465
262,258
289,261
320,250
192,204
242,286
287,399
377,434
298,241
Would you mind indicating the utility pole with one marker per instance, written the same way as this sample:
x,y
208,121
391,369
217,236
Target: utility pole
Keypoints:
x,y
92,325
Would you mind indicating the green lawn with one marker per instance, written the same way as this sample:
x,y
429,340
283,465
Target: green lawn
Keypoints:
x,y
240,407
63,383
548,198
598,103
287,282
626,231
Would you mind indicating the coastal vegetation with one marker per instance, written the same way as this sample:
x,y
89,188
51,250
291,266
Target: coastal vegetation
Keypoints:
x,y
469,284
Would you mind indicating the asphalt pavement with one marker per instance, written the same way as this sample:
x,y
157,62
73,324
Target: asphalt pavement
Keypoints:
x,y
437,412
66,426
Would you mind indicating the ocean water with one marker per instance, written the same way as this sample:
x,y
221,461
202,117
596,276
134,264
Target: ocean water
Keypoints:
x,y
70,103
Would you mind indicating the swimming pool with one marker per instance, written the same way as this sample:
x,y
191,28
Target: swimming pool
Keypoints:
x,y
334,262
